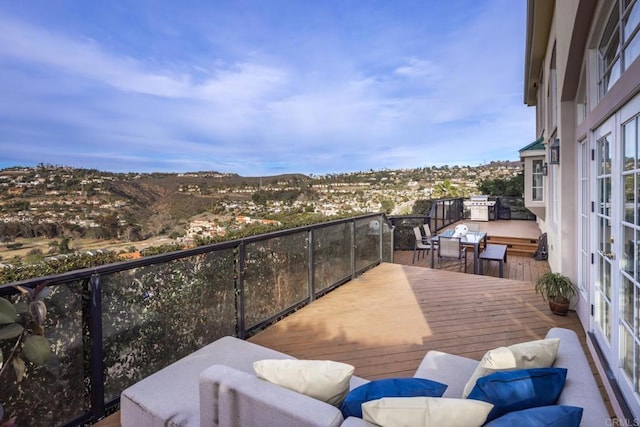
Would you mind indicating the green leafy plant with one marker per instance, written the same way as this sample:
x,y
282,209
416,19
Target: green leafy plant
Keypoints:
x,y
23,322
555,287
11,422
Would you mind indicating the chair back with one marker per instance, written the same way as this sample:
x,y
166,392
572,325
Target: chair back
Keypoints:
x,y
449,247
416,231
473,226
427,230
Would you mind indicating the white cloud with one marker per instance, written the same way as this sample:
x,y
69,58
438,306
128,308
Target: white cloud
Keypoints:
x,y
383,101
419,68
87,60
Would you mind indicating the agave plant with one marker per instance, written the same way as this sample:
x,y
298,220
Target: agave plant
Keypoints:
x,y
23,322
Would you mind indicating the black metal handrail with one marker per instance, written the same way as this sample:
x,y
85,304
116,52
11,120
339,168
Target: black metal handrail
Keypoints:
x,y
331,254
443,212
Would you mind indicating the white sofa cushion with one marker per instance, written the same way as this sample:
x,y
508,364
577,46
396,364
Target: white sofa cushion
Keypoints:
x,y
229,397
530,354
324,380
426,411
171,394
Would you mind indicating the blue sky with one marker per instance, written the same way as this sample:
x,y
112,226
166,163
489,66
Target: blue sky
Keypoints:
x,y
262,87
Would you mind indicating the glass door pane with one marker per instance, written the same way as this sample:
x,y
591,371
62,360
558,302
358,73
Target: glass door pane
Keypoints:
x,y
584,211
629,318
604,254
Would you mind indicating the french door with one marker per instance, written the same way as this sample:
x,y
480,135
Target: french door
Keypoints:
x,y
584,219
615,294
604,255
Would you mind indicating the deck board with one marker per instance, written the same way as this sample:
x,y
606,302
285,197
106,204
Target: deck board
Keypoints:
x,y
516,268
416,308
404,311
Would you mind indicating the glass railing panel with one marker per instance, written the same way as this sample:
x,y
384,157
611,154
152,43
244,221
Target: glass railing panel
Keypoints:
x,y
55,393
513,208
367,245
387,242
332,254
155,315
276,276
404,238
445,212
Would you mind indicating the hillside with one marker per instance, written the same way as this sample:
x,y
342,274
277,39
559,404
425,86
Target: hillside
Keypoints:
x,y
54,202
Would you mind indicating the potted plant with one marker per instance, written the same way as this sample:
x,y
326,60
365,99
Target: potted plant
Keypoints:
x,y
556,289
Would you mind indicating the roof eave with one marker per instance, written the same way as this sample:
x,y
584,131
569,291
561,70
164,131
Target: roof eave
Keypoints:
x,y
539,17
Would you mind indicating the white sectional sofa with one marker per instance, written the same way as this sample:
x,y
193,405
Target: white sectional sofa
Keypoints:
x,y
216,386
580,388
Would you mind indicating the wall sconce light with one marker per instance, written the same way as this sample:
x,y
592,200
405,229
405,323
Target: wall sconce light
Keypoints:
x,y
545,169
554,152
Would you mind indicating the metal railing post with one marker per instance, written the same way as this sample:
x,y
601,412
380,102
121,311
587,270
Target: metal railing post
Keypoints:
x,y
97,347
354,245
312,291
239,291
380,229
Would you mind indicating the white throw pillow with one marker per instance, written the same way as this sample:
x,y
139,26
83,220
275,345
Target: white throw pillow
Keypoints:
x,y
426,411
526,355
321,379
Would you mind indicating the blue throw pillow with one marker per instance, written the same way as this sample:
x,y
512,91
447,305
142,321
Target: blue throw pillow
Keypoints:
x,y
543,416
521,389
390,387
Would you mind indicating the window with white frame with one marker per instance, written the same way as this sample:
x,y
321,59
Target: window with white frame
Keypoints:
x,y
537,174
619,44
581,100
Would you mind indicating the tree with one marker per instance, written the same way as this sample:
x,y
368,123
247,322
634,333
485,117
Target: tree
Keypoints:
x,y
63,246
445,189
34,255
109,225
422,207
509,187
260,198
387,205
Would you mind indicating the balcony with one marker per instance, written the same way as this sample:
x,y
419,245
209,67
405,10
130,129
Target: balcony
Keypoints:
x,y
325,291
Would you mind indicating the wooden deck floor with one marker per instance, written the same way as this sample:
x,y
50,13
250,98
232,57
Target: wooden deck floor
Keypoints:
x,y
386,320
516,268
401,312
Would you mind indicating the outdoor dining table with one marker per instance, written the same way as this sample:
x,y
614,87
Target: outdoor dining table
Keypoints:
x,y
471,238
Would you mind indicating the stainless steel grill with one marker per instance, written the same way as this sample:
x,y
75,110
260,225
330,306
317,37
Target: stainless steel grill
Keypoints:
x,y
479,207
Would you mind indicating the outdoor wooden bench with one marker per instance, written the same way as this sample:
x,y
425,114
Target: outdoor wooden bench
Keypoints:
x,y
494,253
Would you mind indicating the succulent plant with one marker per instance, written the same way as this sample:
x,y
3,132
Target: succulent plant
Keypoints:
x,y
24,323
